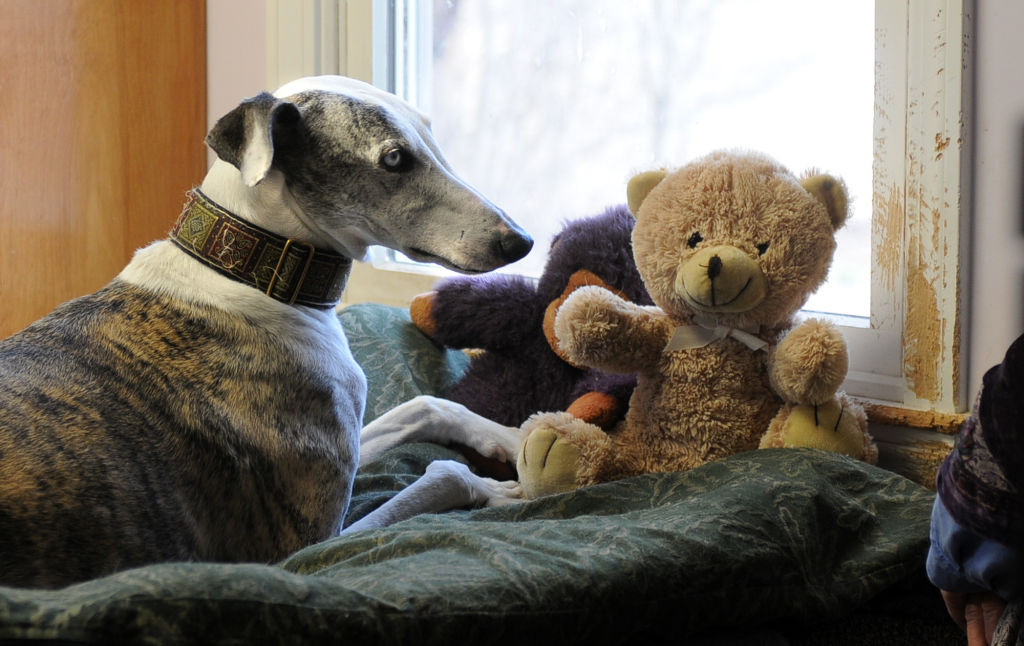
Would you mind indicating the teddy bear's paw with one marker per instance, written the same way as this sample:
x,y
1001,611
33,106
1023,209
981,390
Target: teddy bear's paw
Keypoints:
x,y
810,363
547,464
549,457
578,279
421,311
589,325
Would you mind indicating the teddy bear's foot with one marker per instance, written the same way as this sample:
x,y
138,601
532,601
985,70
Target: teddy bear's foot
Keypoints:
x,y
551,455
547,464
838,425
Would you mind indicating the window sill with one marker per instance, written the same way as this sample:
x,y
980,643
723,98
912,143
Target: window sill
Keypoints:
x,y
889,415
912,443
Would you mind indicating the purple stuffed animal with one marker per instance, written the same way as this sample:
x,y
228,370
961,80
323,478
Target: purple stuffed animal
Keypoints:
x,y
511,319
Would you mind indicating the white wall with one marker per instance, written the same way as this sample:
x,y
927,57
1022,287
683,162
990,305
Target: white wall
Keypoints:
x,y
996,298
236,36
238,69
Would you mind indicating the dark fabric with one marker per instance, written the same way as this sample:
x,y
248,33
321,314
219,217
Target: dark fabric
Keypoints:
x,y
981,483
780,537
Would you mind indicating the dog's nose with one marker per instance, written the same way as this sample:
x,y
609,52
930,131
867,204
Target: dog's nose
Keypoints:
x,y
513,245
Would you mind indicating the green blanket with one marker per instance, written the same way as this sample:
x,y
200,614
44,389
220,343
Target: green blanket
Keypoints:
x,y
791,541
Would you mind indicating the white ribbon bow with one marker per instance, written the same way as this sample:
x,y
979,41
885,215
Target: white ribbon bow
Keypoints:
x,y
705,331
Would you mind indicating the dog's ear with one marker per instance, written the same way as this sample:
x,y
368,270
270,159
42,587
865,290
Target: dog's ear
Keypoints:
x,y
245,136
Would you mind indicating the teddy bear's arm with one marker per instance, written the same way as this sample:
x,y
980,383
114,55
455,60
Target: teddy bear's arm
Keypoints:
x,y
809,364
492,312
598,329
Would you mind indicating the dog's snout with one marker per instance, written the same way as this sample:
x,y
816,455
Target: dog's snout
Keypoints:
x,y
513,245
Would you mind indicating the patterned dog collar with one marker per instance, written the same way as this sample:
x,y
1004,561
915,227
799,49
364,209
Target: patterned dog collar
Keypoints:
x,y
292,272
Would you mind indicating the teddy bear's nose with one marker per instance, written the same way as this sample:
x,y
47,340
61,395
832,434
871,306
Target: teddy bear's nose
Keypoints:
x,y
714,267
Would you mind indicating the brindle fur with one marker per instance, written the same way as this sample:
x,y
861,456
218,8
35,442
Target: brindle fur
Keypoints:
x,y
135,429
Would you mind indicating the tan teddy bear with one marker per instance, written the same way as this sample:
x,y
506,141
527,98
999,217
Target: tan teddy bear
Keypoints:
x,y
729,248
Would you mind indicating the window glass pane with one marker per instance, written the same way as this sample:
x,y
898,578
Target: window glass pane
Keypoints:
x,y
548,107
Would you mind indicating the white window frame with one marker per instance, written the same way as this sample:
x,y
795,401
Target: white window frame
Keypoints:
x,y
911,354
917,341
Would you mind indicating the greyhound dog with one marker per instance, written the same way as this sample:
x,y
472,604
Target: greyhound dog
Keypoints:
x,y
204,405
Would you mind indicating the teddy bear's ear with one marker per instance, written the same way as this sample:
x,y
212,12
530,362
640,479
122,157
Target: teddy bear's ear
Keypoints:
x,y
830,191
640,186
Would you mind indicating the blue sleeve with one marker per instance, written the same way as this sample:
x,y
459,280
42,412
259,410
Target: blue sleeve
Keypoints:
x,y
960,560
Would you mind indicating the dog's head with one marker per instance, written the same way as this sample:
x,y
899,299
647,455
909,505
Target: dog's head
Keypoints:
x,y
363,168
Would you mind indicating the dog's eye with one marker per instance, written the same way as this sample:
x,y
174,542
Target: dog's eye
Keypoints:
x,y
762,248
694,240
396,160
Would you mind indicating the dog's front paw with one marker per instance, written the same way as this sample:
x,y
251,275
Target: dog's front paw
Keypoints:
x,y
473,489
502,492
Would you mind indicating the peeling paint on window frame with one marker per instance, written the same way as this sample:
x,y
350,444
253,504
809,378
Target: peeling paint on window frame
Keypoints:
x,y
920,209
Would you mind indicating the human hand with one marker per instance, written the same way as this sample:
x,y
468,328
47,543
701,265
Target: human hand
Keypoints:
x,y
977,614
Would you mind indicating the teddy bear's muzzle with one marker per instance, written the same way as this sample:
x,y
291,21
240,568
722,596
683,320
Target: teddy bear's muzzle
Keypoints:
x,y
721,279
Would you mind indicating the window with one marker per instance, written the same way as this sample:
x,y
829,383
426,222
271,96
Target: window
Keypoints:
x,y
906,169
549,107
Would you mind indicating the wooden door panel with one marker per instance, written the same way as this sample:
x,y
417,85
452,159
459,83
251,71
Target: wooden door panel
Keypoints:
x,y
102,118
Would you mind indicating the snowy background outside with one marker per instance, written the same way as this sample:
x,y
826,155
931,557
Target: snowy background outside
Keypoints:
x,y
548,107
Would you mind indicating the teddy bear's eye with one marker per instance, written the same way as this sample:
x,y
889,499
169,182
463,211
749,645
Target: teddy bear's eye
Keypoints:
x,y
694,240
761,248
